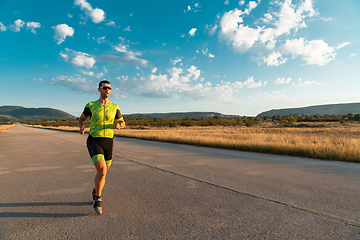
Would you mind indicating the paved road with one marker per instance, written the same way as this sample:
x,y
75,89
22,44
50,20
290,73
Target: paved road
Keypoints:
x,y
167,191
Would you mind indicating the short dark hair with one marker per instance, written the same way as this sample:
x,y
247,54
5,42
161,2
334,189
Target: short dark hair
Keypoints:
x,y
103,81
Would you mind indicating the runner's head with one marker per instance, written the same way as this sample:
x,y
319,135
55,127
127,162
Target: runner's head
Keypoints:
x,y
104,89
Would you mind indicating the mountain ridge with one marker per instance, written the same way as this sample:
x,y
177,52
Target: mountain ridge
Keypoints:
x,y
326,109
19,113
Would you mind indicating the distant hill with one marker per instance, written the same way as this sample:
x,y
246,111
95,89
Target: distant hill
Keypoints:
x,y
330,109
18,113
180,115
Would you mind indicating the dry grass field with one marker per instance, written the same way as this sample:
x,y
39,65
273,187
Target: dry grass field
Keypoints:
x,y
328,141
5,127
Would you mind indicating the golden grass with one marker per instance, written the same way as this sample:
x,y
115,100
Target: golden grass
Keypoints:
x,y
5,127
331,141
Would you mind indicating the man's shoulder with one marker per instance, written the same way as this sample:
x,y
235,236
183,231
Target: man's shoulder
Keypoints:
x,y
114,105
89,104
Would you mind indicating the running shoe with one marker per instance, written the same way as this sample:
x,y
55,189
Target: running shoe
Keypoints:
x,y
97,205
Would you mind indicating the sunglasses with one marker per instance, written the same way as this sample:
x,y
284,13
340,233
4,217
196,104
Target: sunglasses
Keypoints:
x,y
106,88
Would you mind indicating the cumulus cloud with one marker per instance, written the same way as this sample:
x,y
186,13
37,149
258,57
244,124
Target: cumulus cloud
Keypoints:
x,y
274,59
18,24
241,37
177,85
127,29
312,52
211,29
282,81
176,61
130,58
304,83
192,32
76,83
193,71
111,24
97,15
61,32
32,26
206,52
2,27
250,83
194,8
79,59
342,45
286,18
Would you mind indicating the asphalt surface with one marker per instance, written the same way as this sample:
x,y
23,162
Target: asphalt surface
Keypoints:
x,y
167,191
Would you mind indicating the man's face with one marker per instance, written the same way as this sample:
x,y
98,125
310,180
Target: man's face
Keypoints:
x,y
105,90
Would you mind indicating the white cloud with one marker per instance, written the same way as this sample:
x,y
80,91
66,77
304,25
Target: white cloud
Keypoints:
x,y
192,32
326,19
97,15
154,70
18,24
111,24
282,81
353,55
32,26
304,83
89,73
241,37
65,56
61,32
342,45
226,2
128,59
176,61
76,83
312,52
241,3
83,60
285,17
193,71
101,40
2,27
195,8
121,48
176,85
250,83
127,29
274,59
79,59
69,15
206,52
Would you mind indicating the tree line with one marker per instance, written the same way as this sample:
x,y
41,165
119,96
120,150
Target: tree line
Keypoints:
x,y
213,121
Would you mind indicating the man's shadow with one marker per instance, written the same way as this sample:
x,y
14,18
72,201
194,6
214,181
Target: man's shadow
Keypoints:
x,y
42,204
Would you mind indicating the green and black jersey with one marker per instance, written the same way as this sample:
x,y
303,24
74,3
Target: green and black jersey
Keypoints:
x,y
102,118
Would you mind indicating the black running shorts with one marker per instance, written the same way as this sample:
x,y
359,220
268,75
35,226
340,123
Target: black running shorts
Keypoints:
x,y
100,148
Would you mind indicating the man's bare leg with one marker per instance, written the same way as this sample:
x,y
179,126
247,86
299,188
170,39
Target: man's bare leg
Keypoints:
x,y
101,170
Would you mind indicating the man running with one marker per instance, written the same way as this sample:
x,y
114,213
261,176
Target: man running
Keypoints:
x,y
103,115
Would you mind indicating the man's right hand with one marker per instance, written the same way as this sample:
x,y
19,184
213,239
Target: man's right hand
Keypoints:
x,y
82,130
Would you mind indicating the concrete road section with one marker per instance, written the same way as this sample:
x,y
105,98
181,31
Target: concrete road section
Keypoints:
x,y
168,191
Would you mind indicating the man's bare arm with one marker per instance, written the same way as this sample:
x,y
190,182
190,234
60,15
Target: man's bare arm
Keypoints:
x,y
120,124
81,121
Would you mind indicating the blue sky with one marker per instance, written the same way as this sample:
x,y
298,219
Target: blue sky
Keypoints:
x,y
230,56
